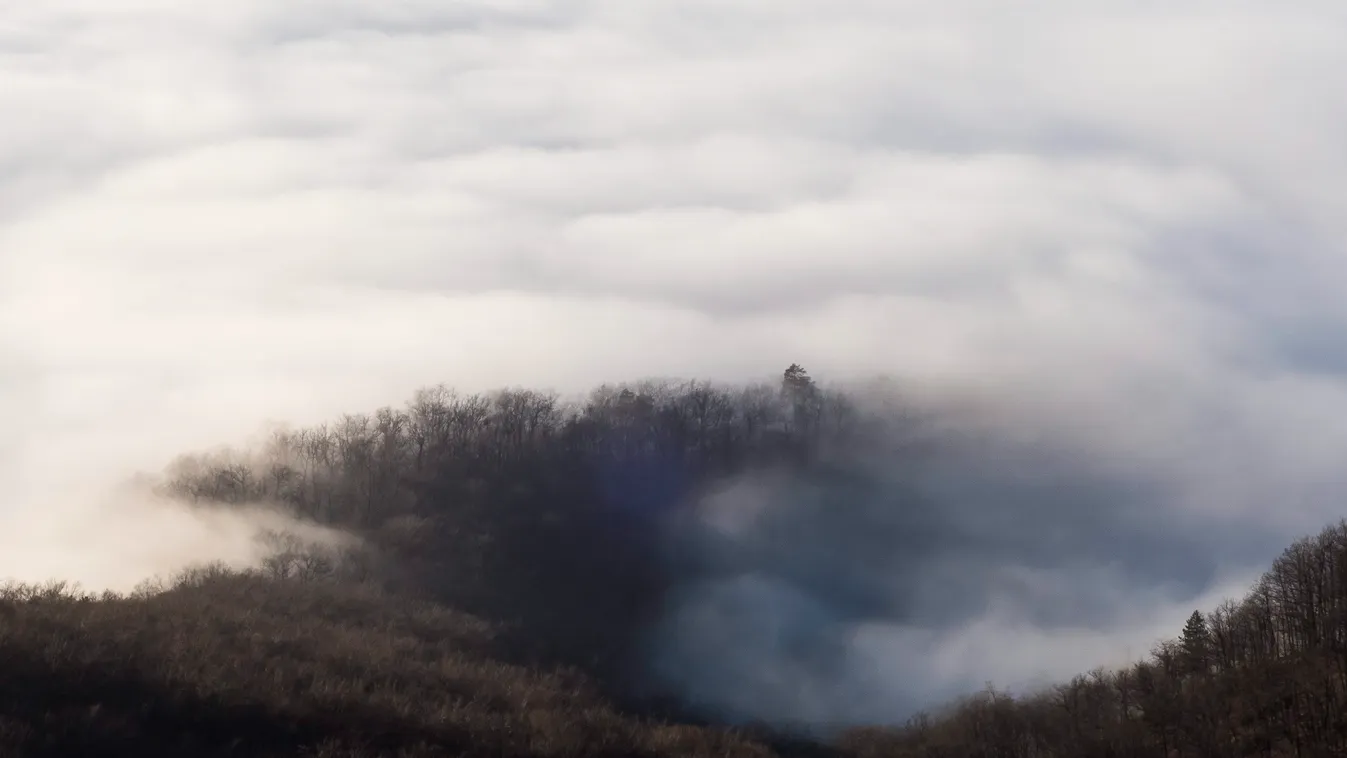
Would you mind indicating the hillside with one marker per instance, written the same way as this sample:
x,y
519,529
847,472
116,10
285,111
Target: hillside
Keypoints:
x,y
519,550
233,664
221,663
1263,676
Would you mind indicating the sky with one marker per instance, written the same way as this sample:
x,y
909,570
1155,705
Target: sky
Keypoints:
x,y
1114,229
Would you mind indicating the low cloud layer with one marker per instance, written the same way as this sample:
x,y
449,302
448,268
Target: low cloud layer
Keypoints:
x,y
1107,236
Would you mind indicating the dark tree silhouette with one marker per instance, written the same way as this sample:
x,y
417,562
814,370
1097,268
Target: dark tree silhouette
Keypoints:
x,y
1195,642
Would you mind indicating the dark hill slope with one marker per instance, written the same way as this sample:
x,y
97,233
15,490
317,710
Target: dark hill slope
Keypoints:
x,y
229,664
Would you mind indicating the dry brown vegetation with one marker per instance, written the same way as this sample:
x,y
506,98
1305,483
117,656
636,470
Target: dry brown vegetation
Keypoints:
x,y
511,566
244,664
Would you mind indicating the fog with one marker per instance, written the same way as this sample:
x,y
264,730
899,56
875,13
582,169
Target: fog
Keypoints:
x,y
129,538
958,555
1101,246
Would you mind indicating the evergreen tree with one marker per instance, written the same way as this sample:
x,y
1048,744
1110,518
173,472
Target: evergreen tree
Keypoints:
x,y
1195,644
802,397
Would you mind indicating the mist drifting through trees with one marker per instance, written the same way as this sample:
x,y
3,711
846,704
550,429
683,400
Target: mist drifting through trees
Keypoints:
x,y
759,552
785,556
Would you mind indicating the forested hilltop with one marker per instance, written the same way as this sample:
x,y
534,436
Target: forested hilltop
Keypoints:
x,y
518,548
551,515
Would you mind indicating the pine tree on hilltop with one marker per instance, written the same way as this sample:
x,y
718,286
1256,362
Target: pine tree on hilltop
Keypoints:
x,y
1195,644
802,397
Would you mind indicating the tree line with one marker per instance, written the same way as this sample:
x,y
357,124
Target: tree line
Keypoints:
x,y
365,469
546,513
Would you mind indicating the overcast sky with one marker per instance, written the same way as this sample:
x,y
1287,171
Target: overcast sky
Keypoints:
x,y
1122,224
